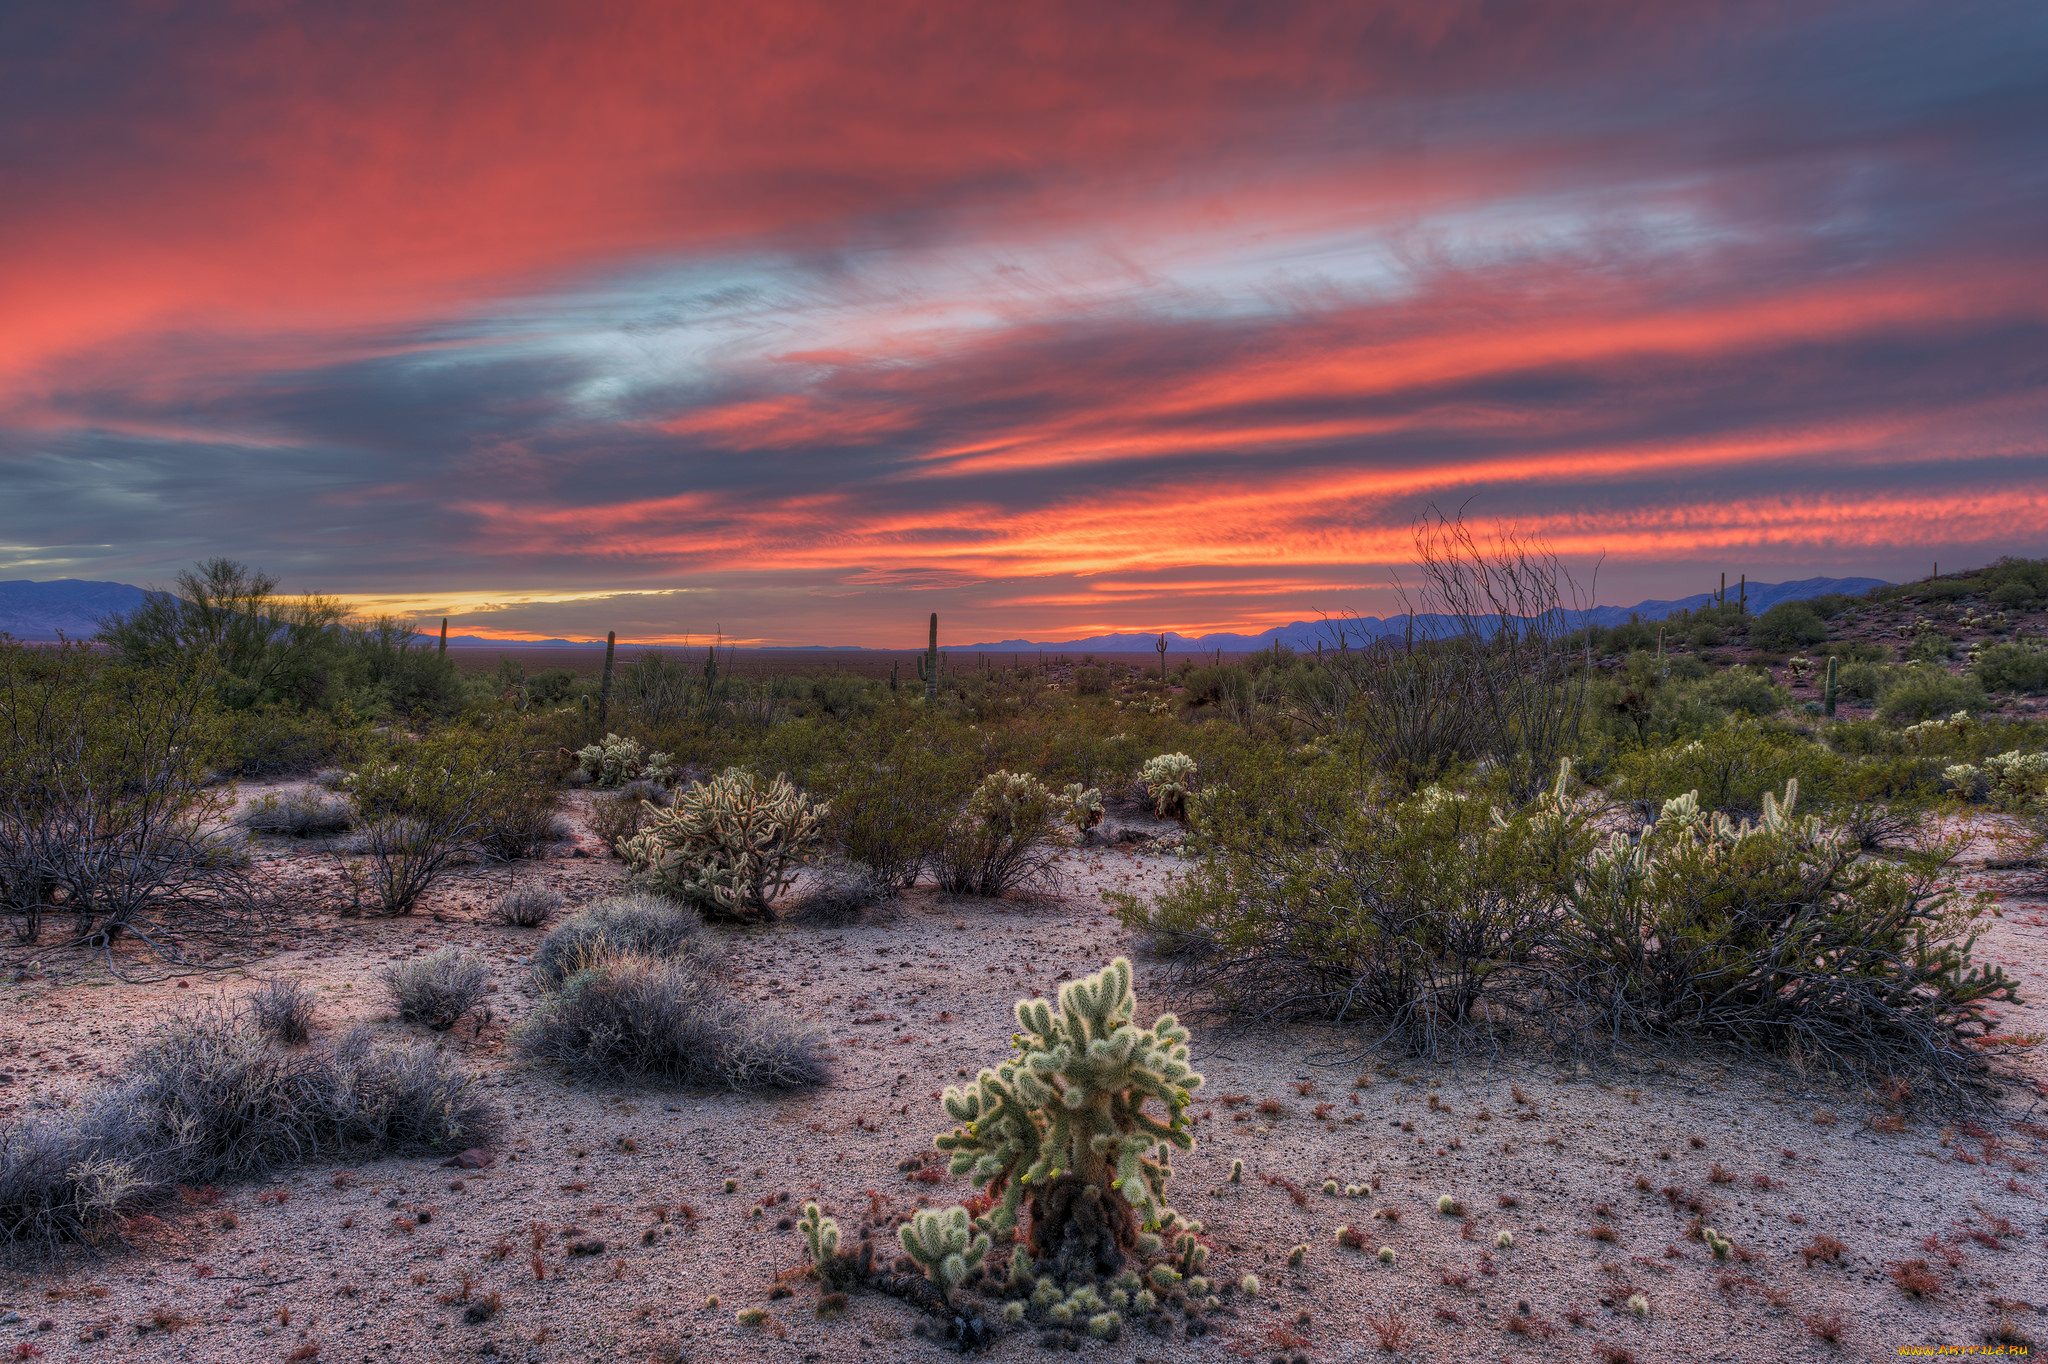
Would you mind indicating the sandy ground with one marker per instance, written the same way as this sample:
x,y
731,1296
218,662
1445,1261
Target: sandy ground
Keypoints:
x,y
382,1261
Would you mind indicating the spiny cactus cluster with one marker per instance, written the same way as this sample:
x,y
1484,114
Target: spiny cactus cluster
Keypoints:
x,y
1168,779
1083,807
1073,1099
945,1244
614,761
729,845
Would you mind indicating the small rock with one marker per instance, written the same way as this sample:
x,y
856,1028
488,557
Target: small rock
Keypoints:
x,y
11,1319
475,1158
590,1247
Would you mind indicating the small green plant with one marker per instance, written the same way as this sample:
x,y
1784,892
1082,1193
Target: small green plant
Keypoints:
x,y
1009,835
1639,1305
1249,1285
1504,1240
1297,1256
1386,1255
1073,1102
1237,1172
1720,1245
753,1318
1169,780
728,846
945,1244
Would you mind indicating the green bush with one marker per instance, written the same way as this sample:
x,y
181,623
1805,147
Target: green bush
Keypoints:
x,y
1930,646
2012,666
1731,768
1744,691
892,792
1009,835
1912,694
1775,936
1788,625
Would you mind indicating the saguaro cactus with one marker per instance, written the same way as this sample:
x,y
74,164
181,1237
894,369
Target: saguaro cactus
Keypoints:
x,y
930,662
444,634
1160,645
604,688
1827,704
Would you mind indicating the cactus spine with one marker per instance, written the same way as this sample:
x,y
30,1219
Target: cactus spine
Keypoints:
x,y
1828,696
604,687
930,662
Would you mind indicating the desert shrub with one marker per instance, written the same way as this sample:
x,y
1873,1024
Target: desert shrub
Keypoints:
x,y
1918,693
281,738
1168,781
105,809
218,1101
440,801
438,989
528,906
892,795
1438,918
1422,914
1091,681
1744,691
1066,1122
614,761
282,1010
206,1098
636,1016
1488,667
2012,666
1777,937
637,923
67,1179
1863,680
1008,836
1930,646
615,818
1732,767
844,893
299,814
730,845
1788,625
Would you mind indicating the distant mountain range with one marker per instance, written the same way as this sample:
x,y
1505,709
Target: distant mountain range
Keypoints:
x,y
72,608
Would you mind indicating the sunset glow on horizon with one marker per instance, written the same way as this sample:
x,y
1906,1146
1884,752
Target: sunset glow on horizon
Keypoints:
x,y
795,321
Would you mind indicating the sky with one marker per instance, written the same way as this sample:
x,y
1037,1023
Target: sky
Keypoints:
x,y
798,321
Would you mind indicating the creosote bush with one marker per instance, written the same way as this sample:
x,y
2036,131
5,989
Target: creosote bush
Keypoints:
x,y
1439,917
438,989
640,1017
1008,836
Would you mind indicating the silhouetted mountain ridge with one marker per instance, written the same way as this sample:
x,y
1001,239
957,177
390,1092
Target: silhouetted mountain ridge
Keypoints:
x,y
72,608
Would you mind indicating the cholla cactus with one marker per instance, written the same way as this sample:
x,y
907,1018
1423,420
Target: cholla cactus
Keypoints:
x,y
1720,1245
945,1243
1083,809
615,761
821,1234
1169,779
1073,1099
728,846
